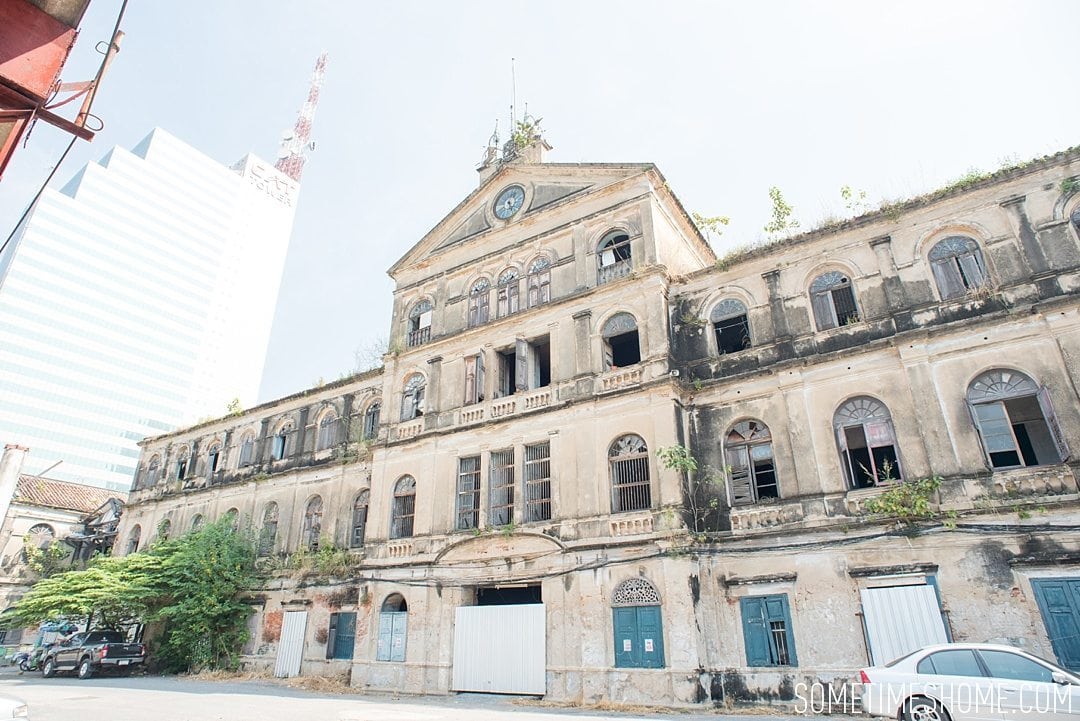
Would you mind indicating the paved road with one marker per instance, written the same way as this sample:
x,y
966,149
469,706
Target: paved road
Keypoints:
x,y
150,698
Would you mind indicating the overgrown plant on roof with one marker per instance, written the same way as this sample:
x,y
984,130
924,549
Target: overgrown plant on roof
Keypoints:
x,y
710,226
907,501
782,223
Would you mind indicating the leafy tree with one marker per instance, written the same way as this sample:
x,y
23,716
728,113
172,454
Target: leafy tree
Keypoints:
x,y
854,200
47,561
710,226
782,223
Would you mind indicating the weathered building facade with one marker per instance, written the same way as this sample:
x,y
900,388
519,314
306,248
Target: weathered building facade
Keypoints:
x,y
500,482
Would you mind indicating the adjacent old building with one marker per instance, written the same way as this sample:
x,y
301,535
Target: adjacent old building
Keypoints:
x,y
508,483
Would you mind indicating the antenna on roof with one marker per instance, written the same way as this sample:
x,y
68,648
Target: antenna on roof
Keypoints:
x,y
513,94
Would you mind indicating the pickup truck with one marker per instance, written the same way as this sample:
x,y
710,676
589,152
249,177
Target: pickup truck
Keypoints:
x,y
87,653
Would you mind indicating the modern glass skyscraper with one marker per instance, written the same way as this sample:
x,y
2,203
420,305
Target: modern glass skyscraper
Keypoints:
x,y
137,299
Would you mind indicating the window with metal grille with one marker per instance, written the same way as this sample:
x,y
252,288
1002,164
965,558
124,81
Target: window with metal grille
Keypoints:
x,y
501,485
730,326
312,524
468,493
328,432
479,299
628,461
359,519
833,301
404,508
371,420
1015,419
958,266
864,431
341,635
539,282
508,293
538,482
268,532
767,631
751,471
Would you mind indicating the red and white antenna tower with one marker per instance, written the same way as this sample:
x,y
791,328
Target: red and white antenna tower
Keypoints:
x,y
295,142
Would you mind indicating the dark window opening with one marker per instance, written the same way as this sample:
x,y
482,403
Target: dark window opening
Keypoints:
x,y
732,334
359,520
751,471
870,466
541,353
624,350
181,468
614,257
212,458
833,301
371,421
1016,433
867,441
508,378
508,595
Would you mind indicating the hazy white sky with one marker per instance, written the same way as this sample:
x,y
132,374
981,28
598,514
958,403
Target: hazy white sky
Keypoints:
x,y
726,98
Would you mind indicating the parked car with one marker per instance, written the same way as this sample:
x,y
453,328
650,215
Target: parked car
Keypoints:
x,y
87,653
969,682
13,708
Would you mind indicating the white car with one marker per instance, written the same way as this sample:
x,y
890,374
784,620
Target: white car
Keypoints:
x,y
970,682
12,708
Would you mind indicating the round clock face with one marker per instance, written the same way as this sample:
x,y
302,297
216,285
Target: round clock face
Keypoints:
x,y
509,201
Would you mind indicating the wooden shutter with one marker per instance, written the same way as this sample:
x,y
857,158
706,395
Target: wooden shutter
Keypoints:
x,y
947,276
981,433
777,609
399,626
973,269
823,314
331,636
755,633
521,359
1059,604
741,490
627,653
480,377
1050,417
651,636
470,379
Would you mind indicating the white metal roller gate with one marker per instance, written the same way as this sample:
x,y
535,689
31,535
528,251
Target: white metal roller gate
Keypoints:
x,y
291,644
500,649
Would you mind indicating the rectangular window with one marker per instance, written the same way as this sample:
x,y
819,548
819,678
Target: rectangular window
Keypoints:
x,y
540,363
247,450
732,334
341,638
468,493
843,300
767,631
502,487
474,379
508,377
538,482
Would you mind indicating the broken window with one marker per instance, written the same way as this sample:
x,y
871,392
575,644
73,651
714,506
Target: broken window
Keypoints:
x,y
538,482
412,397
247,450
393,627
268,532
833,300
613,257
730,325
371,420
213,458
133,539
479,297
280,446
474,379
359,519
419,324
958,266
404,509
767,631
309,536
197,522
539,281
638,624
1015,420
751,471
501,485
468,493
628,461
507,293
328,432
867,441
524,367
153,472
182,464
621,346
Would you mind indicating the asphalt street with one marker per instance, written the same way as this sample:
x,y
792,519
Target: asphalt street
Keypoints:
x,y
154,698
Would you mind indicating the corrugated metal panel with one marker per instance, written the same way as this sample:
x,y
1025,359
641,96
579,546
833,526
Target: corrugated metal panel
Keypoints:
x,y
291,644
901,619
500,649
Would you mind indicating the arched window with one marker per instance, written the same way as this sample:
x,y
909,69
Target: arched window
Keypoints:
x,y
867,441
621,345
359,519
133,540
329,428
309,537
638,624
1015,420
268,532
613,257
247,449
393,625
730,325
751,471
539,281
508,293
197,522
833,300
279,448
479,298
39,536
958,266
371,420
164,529
412,397
419,324
404,508
213,458
153,472
628,463
233,515
182,463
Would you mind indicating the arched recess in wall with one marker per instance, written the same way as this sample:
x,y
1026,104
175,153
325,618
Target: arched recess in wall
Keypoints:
x,y
637,619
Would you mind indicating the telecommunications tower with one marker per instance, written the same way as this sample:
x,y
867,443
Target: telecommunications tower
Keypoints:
x,y
295,142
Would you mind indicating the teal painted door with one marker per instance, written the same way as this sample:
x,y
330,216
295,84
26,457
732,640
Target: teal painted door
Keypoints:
x,y
639,637
1059,603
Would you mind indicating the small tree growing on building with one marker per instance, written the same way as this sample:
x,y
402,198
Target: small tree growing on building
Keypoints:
x,y
702,493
